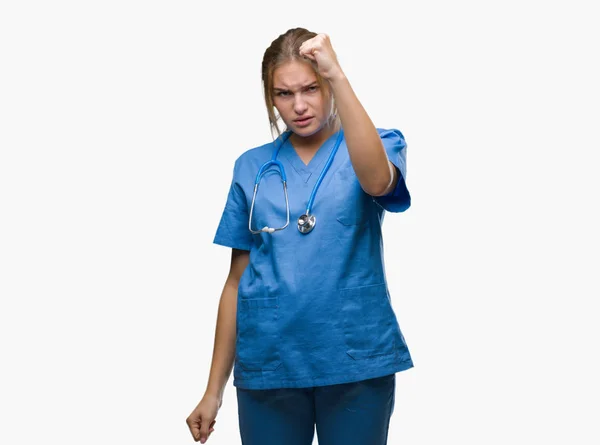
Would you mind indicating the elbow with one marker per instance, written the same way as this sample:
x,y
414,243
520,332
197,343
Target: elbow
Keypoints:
x,y
382,185
378,189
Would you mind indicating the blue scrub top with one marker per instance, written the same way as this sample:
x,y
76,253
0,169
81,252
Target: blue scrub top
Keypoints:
x,y
313,309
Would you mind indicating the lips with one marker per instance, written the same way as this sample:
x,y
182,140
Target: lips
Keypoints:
x,y
303,121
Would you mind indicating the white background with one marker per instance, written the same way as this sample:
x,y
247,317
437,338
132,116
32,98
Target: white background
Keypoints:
x,y
119,125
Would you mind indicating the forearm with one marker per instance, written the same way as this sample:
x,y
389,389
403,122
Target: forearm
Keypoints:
x,y
224,343
367,154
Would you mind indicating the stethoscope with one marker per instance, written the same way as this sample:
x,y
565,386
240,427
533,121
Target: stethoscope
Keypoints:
x,y
306,222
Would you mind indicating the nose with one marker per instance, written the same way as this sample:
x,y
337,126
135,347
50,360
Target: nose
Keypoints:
x,y
300,105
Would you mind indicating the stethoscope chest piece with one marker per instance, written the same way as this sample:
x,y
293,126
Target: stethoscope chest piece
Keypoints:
x,y
306,223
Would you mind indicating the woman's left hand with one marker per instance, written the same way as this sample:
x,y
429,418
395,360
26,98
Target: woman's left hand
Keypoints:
x,y
319,50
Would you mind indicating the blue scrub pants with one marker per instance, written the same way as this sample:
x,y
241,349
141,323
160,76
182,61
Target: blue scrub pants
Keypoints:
x,y
355,413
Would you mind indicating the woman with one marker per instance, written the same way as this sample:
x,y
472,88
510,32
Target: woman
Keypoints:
x,y
305,310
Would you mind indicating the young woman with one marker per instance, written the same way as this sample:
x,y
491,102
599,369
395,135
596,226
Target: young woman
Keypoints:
x,y
305,312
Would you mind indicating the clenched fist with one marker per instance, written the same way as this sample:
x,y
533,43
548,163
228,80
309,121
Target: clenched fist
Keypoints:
x,y
202,420
319,50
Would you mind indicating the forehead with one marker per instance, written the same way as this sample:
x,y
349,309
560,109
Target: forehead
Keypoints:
x,y
293,74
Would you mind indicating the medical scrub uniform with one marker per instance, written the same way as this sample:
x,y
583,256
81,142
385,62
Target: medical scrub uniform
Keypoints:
x,y
313,311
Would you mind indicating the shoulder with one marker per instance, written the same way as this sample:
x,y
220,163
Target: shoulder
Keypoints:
x,y
392,138
254,156
390,133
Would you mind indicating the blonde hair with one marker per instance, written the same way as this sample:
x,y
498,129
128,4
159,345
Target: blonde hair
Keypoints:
x,y
283,49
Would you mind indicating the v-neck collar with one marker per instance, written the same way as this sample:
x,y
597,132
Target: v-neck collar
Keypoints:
x,y
305,171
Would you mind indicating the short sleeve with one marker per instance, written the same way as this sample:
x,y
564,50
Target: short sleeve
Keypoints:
x,y
398,200
233,228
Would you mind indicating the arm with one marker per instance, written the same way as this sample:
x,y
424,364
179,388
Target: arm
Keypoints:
x,y
202,419
376,174
224,344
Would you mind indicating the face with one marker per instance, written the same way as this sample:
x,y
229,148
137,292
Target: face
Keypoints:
x,y
299,98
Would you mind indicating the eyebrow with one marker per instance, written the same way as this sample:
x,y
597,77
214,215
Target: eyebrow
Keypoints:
x,y
302,87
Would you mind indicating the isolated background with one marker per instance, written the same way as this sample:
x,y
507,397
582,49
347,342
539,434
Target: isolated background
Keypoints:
x,y
119,125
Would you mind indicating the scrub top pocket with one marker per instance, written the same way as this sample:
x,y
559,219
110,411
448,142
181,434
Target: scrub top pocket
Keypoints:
x,y
352,203
370,325
257,334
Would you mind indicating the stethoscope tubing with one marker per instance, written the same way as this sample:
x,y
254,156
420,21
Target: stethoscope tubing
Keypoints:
x,y
274,162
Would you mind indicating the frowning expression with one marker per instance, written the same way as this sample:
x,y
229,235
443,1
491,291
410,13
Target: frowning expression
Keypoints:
x,y
301,102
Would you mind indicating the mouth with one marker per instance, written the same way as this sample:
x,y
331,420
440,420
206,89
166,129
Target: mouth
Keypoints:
x,y
303,121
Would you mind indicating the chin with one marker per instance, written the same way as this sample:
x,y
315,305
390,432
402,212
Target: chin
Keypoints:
x,y
306,131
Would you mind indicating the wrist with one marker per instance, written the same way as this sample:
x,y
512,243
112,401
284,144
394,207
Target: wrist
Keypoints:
x,y
337,77
214,393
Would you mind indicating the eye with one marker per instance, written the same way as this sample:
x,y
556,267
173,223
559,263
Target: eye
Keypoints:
x,y
282,93
312,88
